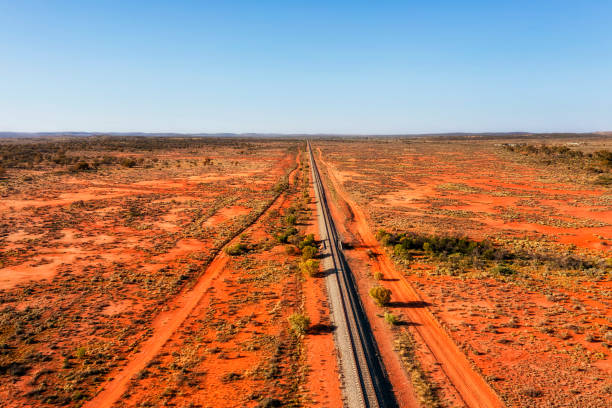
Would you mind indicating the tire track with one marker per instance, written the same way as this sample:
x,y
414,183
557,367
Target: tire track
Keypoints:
x,y
168,322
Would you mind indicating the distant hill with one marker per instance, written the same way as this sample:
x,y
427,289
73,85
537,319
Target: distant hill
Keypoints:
x,y
449,135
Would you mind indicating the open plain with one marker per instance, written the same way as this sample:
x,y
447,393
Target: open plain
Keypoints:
x,y
195,272
497,255
131,265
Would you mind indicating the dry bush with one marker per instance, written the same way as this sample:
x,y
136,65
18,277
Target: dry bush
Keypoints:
x,y
310,267
381,295
299,323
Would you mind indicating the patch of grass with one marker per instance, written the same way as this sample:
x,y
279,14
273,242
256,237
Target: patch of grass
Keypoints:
x,y
604,180
425,390
502,270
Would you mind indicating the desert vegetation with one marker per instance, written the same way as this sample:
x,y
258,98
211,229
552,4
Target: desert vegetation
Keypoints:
x,y
98,236
507,243
104,240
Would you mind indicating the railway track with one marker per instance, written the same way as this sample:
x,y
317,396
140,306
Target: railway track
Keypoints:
x,y
364,378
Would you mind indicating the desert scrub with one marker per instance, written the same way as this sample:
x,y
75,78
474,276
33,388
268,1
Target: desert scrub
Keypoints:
x,y
309,252
299,323
596,162
407,244
426,392
502,270
285,236
604,180
307,241
236,249
310,267
381,295
291,219
391,319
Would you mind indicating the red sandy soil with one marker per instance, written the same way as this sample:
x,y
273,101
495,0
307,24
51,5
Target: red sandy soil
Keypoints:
x,y
323,383
195,357
166,324
472,389
360,264
539,339
97,269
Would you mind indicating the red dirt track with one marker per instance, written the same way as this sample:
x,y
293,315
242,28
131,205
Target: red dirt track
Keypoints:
x,y
167,323
472,388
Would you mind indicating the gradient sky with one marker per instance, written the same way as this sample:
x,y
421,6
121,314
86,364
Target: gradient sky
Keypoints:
x,y
316,67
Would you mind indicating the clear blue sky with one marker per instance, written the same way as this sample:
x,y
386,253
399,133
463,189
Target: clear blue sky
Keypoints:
x,y
284,66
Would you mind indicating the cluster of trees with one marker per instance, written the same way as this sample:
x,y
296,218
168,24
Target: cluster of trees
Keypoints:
x,y
598,162
31,152
37,155
407,244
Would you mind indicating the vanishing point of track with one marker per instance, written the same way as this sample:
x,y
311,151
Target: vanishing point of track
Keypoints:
x,y
365,380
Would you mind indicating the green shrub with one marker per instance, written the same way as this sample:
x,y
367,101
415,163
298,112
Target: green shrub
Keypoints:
x,y
378,275
381,295
299,323
291,250
307,241
502,270
290,219
383,236
309,252
310,267
236,249
401,252
391,319
283,237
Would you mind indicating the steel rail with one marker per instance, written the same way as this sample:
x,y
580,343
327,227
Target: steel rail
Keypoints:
x,y
373,384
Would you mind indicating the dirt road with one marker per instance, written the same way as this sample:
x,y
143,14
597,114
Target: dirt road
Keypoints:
x,y
472,388
168,322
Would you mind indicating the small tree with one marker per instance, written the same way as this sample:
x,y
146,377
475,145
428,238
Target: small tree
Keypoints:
x,y
307,241
308,252
381,295
299,323
310,267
